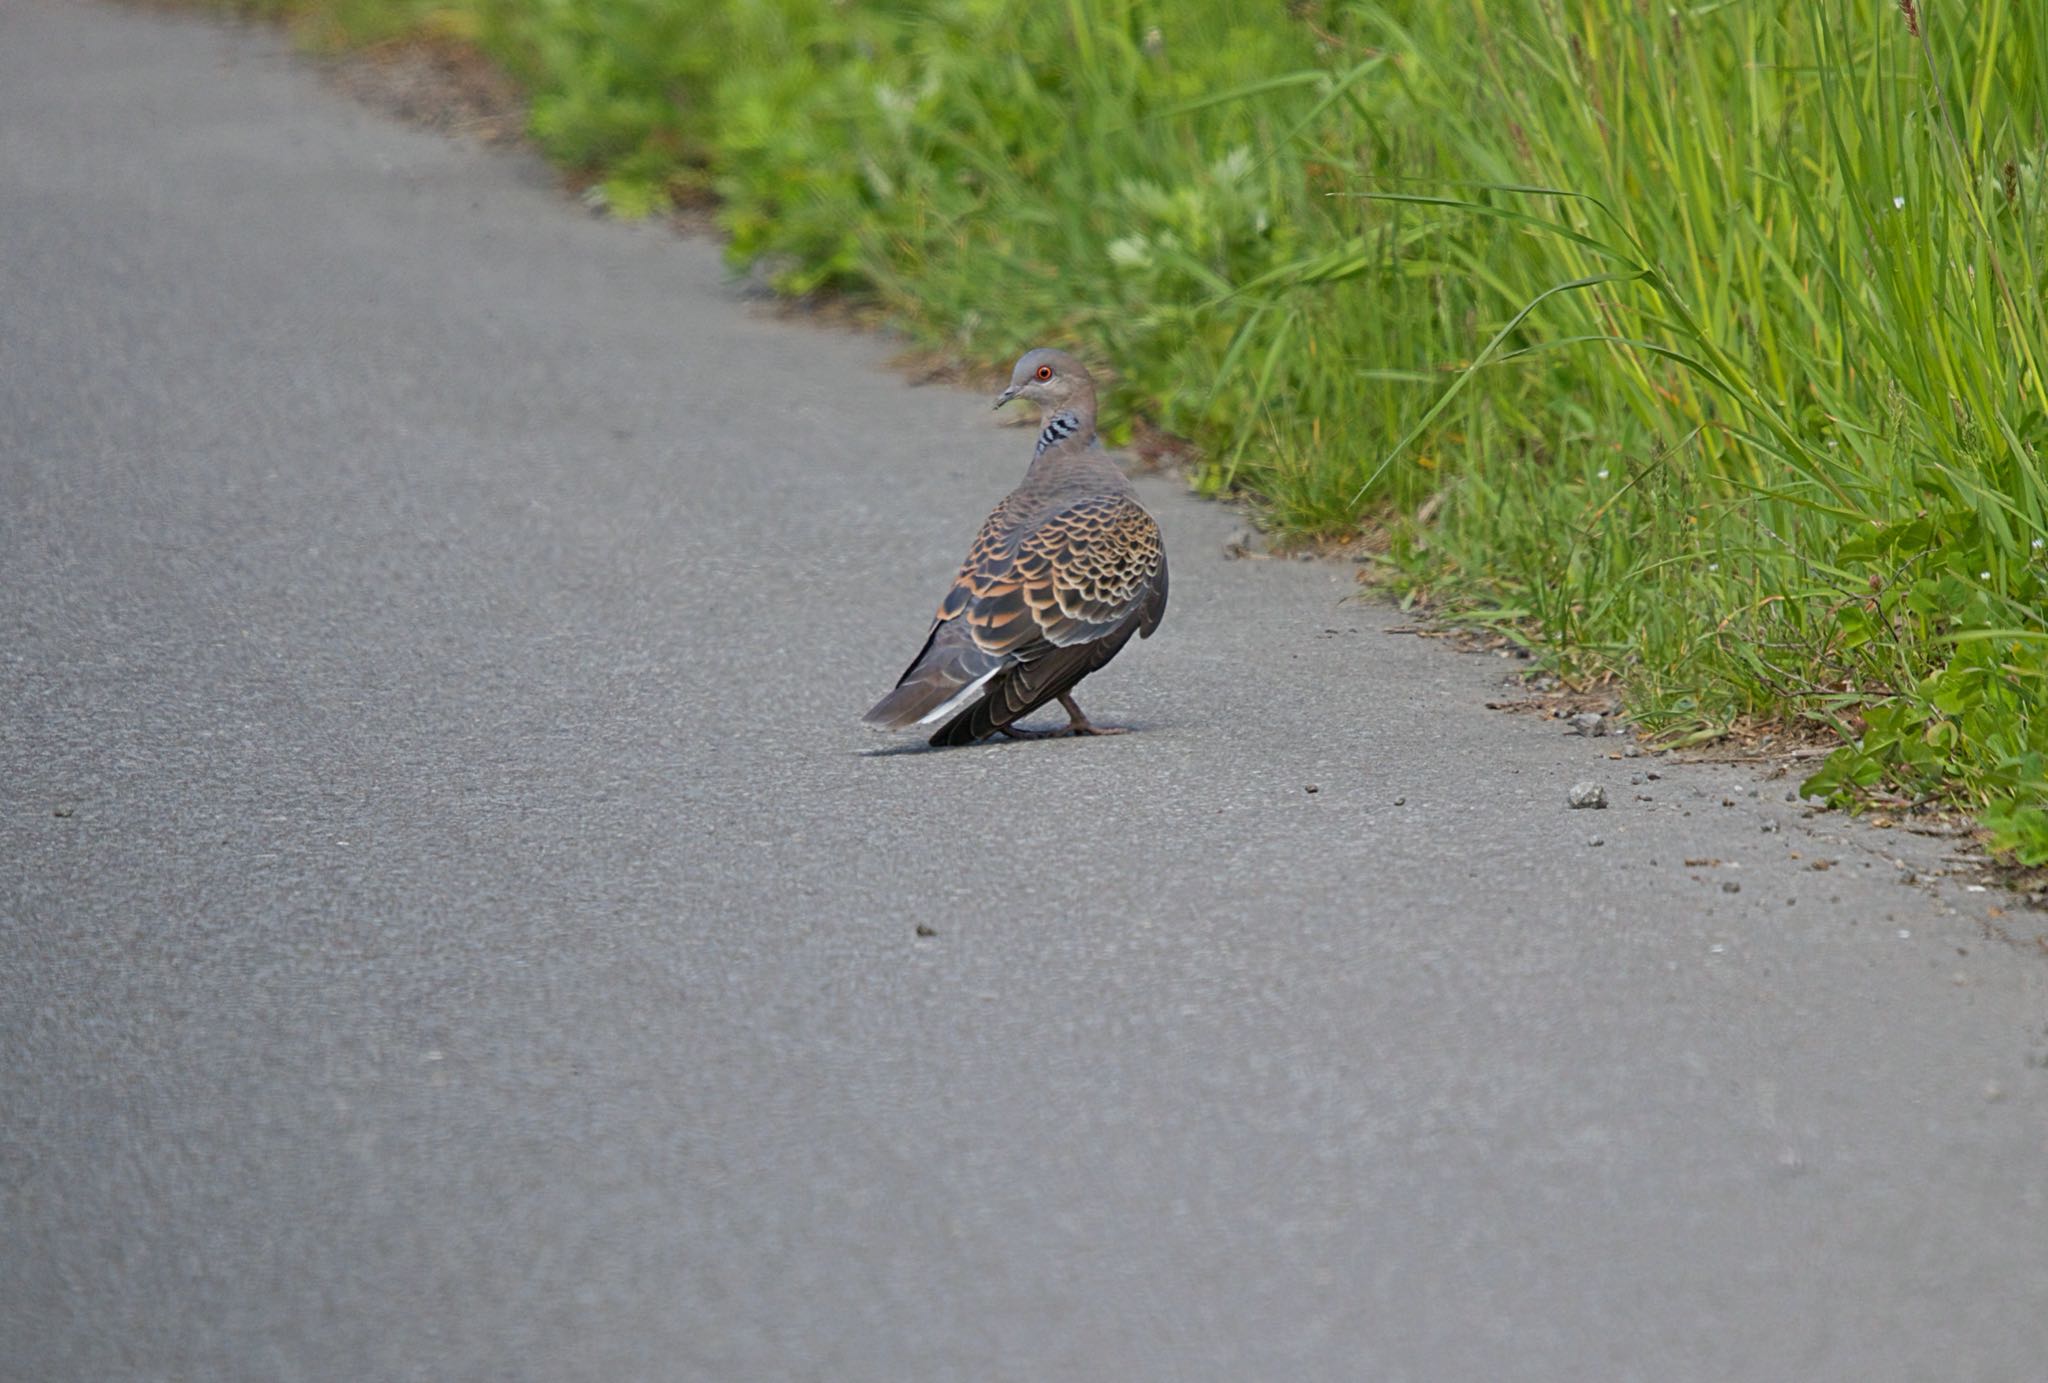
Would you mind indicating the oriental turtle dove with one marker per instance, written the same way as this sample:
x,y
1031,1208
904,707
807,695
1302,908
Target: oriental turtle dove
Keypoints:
x,y
1065,570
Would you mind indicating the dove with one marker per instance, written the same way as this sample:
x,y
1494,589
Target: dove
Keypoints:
x,y
1063,572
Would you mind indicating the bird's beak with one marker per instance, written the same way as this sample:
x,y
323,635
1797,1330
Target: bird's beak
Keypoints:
x,y
1006,396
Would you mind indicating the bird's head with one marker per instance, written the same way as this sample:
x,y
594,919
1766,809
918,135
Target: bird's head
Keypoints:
x,y
1052,379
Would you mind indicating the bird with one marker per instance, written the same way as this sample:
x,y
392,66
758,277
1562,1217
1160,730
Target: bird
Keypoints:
x,y
1063,572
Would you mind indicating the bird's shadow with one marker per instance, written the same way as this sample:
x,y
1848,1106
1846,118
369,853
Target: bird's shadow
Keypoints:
x,y
918,746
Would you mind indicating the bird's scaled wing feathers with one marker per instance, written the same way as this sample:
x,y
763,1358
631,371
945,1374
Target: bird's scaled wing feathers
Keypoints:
x,y
1071,578
1035,607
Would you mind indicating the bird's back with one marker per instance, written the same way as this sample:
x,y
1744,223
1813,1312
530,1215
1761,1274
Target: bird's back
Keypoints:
x,y
1059,478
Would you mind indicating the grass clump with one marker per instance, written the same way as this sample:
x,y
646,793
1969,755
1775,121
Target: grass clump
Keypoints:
x,y
1711,339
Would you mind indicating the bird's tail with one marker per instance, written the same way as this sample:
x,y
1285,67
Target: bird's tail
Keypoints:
x,y
947,674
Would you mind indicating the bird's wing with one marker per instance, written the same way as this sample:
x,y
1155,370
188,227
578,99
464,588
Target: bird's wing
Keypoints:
x,y
1072,577
1035,606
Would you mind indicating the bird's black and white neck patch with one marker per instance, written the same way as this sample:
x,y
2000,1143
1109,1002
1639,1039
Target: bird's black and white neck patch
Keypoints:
x,y
1058,428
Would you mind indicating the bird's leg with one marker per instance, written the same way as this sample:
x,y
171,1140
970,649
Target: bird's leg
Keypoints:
x,y
1079,724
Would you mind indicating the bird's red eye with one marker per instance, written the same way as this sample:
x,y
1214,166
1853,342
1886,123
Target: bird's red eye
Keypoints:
x,y
1044,372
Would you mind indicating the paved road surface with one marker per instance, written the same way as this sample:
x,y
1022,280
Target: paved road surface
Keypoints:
x,y
455,928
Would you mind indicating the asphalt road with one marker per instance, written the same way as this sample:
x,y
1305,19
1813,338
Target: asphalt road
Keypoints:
x,y
453,926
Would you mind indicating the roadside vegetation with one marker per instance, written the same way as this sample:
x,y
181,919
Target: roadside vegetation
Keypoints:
x,y
1702,344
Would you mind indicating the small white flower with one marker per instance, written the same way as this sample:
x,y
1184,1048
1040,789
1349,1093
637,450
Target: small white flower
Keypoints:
x,y
1603,473
1898,203
1983,576
2037,544
1713,566
1130,252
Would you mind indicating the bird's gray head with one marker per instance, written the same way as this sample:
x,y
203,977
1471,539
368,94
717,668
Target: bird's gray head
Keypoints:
x,y
1053,380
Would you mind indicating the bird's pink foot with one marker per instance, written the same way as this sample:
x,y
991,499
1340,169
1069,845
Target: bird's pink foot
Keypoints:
x,y
1077,726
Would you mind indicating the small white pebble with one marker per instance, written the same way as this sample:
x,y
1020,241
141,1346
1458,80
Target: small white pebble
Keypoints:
x,y
1973,888
1905,934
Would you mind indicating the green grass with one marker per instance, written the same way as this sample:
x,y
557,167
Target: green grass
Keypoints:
x,y
1711,340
